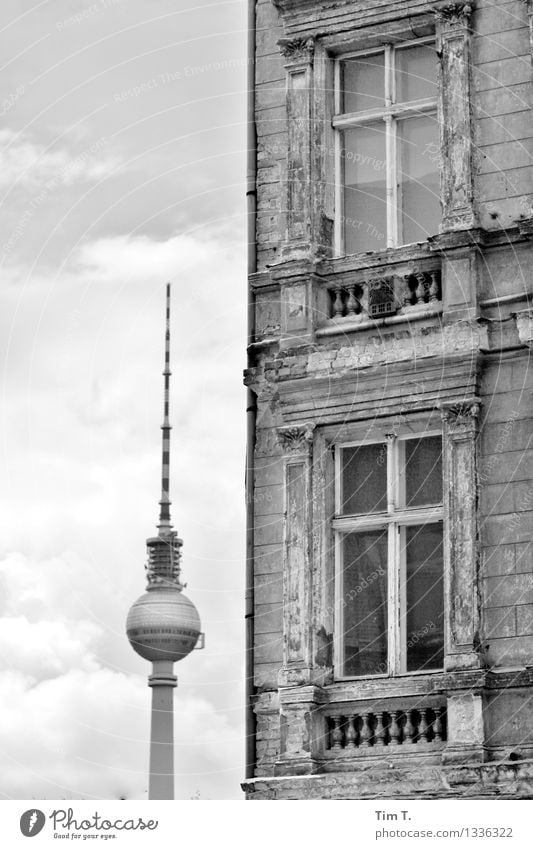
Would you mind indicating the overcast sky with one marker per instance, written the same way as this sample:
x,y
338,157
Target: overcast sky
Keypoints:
x,y
121,167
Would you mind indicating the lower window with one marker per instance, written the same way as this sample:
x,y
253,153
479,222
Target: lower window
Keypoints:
x,y
389,584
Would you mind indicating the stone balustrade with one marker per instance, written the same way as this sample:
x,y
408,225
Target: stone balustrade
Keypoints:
x,y
381,296
375,729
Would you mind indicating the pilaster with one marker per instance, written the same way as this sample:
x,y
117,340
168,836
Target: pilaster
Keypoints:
x,y
454,46
461,544
529,7
297,444
301,730
299,60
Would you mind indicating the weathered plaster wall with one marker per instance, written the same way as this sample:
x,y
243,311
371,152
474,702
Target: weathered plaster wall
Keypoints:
x,y
506,507
502,102
503,98
430,361
387,781
271,124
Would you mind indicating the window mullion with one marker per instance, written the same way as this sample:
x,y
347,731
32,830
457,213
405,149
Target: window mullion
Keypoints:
x,y
401,657
392,600
338,646
390,147
339,169
395,235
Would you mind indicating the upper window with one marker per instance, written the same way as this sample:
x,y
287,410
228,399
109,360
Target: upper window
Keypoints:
x,y
389,575
387,148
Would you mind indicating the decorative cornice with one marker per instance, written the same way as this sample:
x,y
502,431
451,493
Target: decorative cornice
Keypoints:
x,y
296,438
297,50
455,14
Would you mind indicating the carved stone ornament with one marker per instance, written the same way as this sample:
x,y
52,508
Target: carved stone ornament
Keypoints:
x,y
297,49
296,438
455,13
463,414
524,324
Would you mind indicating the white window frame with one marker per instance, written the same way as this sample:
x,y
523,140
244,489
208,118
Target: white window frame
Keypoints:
x,y
389,113
396,519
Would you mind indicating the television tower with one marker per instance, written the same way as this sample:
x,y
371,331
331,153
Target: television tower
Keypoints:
x,y
163,625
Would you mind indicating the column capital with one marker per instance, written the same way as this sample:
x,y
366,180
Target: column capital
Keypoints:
x,y
296,439
455,14
297,51
461,415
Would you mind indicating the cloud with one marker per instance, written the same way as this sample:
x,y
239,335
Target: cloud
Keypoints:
x,y
74,728
78,496
24,162
78,736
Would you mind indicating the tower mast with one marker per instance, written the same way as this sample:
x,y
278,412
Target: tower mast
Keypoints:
x,y
164,512
163,625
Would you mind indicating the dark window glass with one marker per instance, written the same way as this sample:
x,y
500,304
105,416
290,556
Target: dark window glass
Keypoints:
x,y
416,73
364,83
364,603
424,597
423,471
418,179
365,189
364,479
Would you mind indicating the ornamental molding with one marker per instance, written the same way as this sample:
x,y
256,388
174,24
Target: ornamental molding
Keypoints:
x,y
298,50
524,325
296,438
462,414
455,14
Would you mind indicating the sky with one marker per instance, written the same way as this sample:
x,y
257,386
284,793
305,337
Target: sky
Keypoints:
x,y
122,139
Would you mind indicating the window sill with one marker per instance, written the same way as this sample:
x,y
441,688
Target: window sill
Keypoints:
x,y
349,324
386,687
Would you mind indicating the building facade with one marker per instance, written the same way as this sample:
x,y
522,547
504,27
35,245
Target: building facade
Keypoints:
x,y
390,456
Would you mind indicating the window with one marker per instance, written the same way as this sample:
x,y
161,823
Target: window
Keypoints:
x,y
387,146
389,553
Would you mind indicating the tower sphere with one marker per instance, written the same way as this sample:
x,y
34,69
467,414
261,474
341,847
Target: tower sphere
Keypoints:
x,y
163,624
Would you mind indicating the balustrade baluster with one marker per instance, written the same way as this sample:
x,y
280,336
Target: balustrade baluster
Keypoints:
x,y
434,287
337,735
366,731
421,287
409,729
423,728
363,300
380,731
407,295
351,733
437,725
352,304
338,306
394,728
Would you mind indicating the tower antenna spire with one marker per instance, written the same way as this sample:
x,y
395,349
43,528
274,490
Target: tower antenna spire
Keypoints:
x,y
165,525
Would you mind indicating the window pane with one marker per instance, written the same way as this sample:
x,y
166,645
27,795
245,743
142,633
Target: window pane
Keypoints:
x,y
423,471
364,479
418,178
416,73
364,83
364,603
424,598
365,181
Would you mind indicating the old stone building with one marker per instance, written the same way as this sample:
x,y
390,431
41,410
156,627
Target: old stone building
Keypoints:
x,y
390,465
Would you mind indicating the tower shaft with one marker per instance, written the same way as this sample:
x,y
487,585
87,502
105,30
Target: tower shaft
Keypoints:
x,y
162,681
